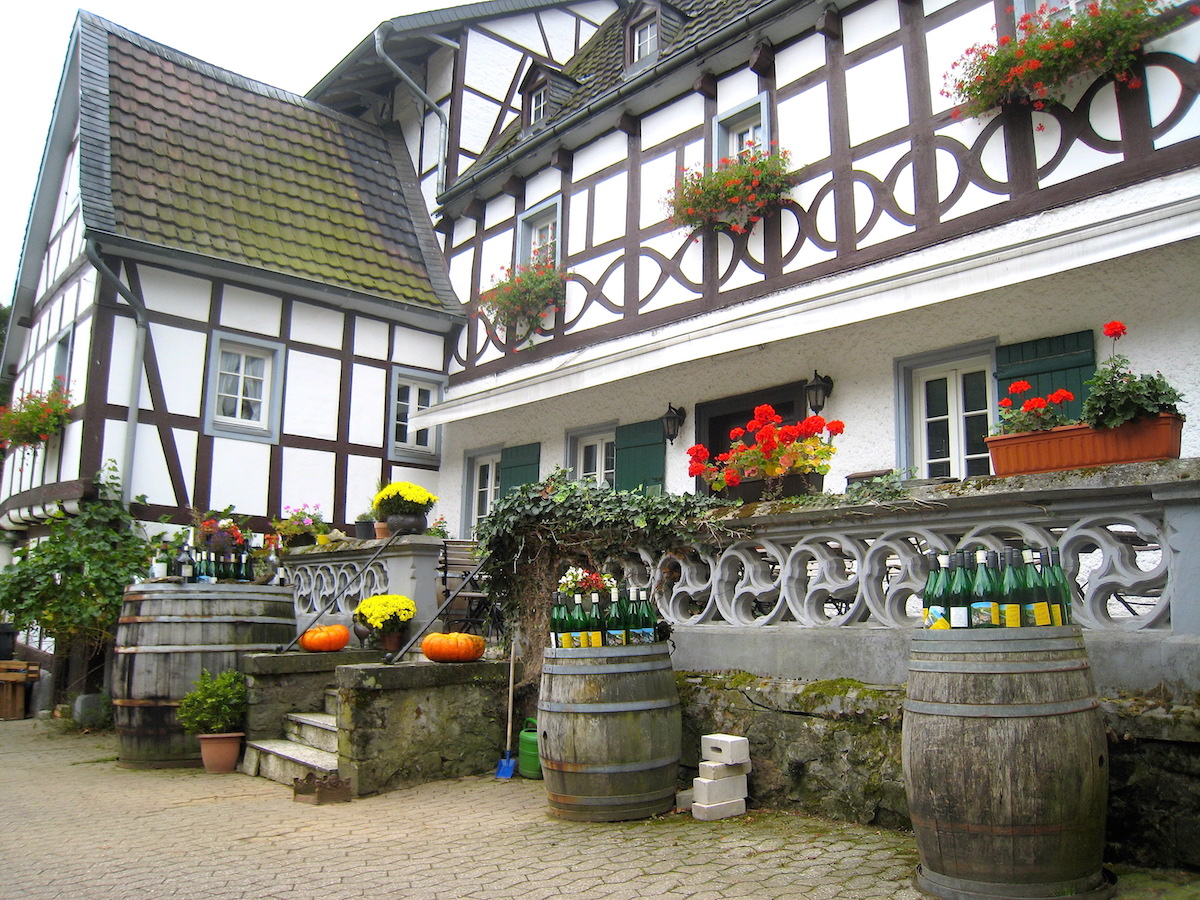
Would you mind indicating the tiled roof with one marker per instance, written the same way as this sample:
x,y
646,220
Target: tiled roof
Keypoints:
x,y
599,67
203,161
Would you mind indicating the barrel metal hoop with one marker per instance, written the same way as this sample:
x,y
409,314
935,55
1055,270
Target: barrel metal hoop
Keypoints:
x,y
658,648
1043,829
144,703
618,669
1001,710
997,667
1099,886
645,765
1009,646
199,648
574,801
630,706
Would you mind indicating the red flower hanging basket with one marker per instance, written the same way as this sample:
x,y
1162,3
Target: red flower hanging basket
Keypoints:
x,y
1081,446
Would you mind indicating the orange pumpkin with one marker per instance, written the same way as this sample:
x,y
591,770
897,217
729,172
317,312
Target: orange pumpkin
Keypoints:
x,y
325,638
453,647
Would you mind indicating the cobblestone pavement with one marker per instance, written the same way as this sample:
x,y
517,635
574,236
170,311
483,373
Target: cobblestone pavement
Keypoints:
x,y
75,826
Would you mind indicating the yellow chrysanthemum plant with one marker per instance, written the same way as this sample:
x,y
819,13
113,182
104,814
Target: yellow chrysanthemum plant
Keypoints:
x,y
385,612
403,498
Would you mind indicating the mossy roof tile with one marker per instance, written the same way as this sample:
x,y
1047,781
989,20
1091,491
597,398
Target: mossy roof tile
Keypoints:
x,y
207,162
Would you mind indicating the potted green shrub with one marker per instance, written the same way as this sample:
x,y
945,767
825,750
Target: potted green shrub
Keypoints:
x,y
215,712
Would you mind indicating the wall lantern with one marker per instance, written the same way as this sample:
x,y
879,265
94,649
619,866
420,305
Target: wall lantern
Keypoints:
x,y
817,391
671,420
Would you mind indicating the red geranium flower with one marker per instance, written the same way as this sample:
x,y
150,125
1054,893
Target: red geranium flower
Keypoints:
x,y
736,433
1034,403
1006,402
1019,387
1062,395
1115,329
837,426
732,478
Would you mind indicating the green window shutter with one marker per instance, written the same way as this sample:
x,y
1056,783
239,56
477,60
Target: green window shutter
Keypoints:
x,y
518,466
641,457
1066,361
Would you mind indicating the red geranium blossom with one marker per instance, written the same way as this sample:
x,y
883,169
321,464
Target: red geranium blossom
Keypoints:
x,y
1115,329
1034,403
1062,395
1019,387
1006,402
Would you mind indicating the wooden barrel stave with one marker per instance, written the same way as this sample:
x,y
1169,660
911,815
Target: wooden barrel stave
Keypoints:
x,y
609,732
166,635
1005,760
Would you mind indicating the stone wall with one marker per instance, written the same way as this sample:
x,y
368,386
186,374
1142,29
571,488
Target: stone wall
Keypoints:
x,y
405,724
282,683
832,749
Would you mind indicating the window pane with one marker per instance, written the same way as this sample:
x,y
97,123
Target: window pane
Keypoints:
x,y
256,366
588,467
936,398
251,410
227,406
252,388
937,470
974,388
976,427
978,466
937,439
227,384
231,362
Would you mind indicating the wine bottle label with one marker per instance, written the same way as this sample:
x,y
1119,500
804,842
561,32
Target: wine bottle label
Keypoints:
x,y
958,617
578,639
1012,615
936,617
615,638
595,638
566,640
1056,614
158,570
1039,613
186,571
647,635
985,614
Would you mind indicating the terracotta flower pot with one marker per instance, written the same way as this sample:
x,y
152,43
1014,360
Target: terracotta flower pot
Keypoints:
x,y
381,531
220,752
1081,446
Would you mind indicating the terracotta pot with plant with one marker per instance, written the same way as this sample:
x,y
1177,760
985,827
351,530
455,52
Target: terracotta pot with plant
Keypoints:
x,y
215,712
387,616
404,506
1125,418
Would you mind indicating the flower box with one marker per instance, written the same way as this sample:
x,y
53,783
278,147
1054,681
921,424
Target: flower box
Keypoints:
x,y
1081,446
794,485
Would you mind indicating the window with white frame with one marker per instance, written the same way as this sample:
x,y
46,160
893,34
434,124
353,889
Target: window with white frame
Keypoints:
x,y
484,488
643,40
741,129
538,233
538,99
243,391
951,407
410,395
594,458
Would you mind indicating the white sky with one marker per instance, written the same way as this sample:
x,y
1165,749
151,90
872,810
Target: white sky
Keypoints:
x,y
286,44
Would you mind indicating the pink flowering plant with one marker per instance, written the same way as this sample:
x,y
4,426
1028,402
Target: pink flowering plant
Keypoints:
x,y
36,416
301,520
734,195
1053,46
524,297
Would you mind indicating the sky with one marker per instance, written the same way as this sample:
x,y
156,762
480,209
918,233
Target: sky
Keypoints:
x,y
268,40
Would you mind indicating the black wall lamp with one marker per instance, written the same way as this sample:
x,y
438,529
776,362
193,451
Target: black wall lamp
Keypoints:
x,y
817,391
672,420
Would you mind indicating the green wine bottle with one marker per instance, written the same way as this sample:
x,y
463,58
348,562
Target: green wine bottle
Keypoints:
x,y
1011,590
614,626
933,598
959,597
985,611
1036,608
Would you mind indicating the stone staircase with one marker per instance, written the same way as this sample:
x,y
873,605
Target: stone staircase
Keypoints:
x,y
310,745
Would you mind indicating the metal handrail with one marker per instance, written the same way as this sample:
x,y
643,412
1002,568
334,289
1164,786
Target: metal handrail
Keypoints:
x,y
338,596
416,635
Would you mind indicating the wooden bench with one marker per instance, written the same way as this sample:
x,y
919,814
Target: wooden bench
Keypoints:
x,y
14,675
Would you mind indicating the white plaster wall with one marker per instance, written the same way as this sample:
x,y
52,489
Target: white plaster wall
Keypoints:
x,y
658,177
370,338
310,399
994,160
541,185
673,119
251,311
523,30
946,43
802,57
181,358
362,477
368,396
577,235
605,151
868,24
441,73
120,376
317,325
460,268
478,120
804,126
736,88
881,165
490,65
175,294
1164,87
498,209
611,199
418,348
150,475
186,445
307,478
495,256
877,96
671,292
240,475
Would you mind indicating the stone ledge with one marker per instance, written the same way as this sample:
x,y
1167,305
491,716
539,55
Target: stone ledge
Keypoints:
x,y
407,675
302,662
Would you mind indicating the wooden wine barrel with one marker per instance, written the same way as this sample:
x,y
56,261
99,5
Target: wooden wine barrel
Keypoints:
x,y
166,634
609,732
1006,764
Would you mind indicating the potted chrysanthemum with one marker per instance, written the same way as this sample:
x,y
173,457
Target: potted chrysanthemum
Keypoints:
x,y
404,506
387,616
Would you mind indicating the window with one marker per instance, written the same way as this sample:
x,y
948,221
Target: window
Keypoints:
x,y
595,459
643,40
538,98
411,395
243,394
484,489
742,128
952,406
539,235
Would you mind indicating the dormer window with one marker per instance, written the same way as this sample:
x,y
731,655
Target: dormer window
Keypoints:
x,y
538,99
643,42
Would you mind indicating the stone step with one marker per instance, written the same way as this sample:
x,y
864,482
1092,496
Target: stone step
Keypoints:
x,y
314,729
331,701
284,761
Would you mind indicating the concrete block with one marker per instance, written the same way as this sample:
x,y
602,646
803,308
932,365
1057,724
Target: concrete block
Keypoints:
x,y
723,770
725,748
709,791
708,812
683,799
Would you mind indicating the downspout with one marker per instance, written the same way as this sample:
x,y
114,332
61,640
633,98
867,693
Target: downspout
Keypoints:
x,y
430,103
139,352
